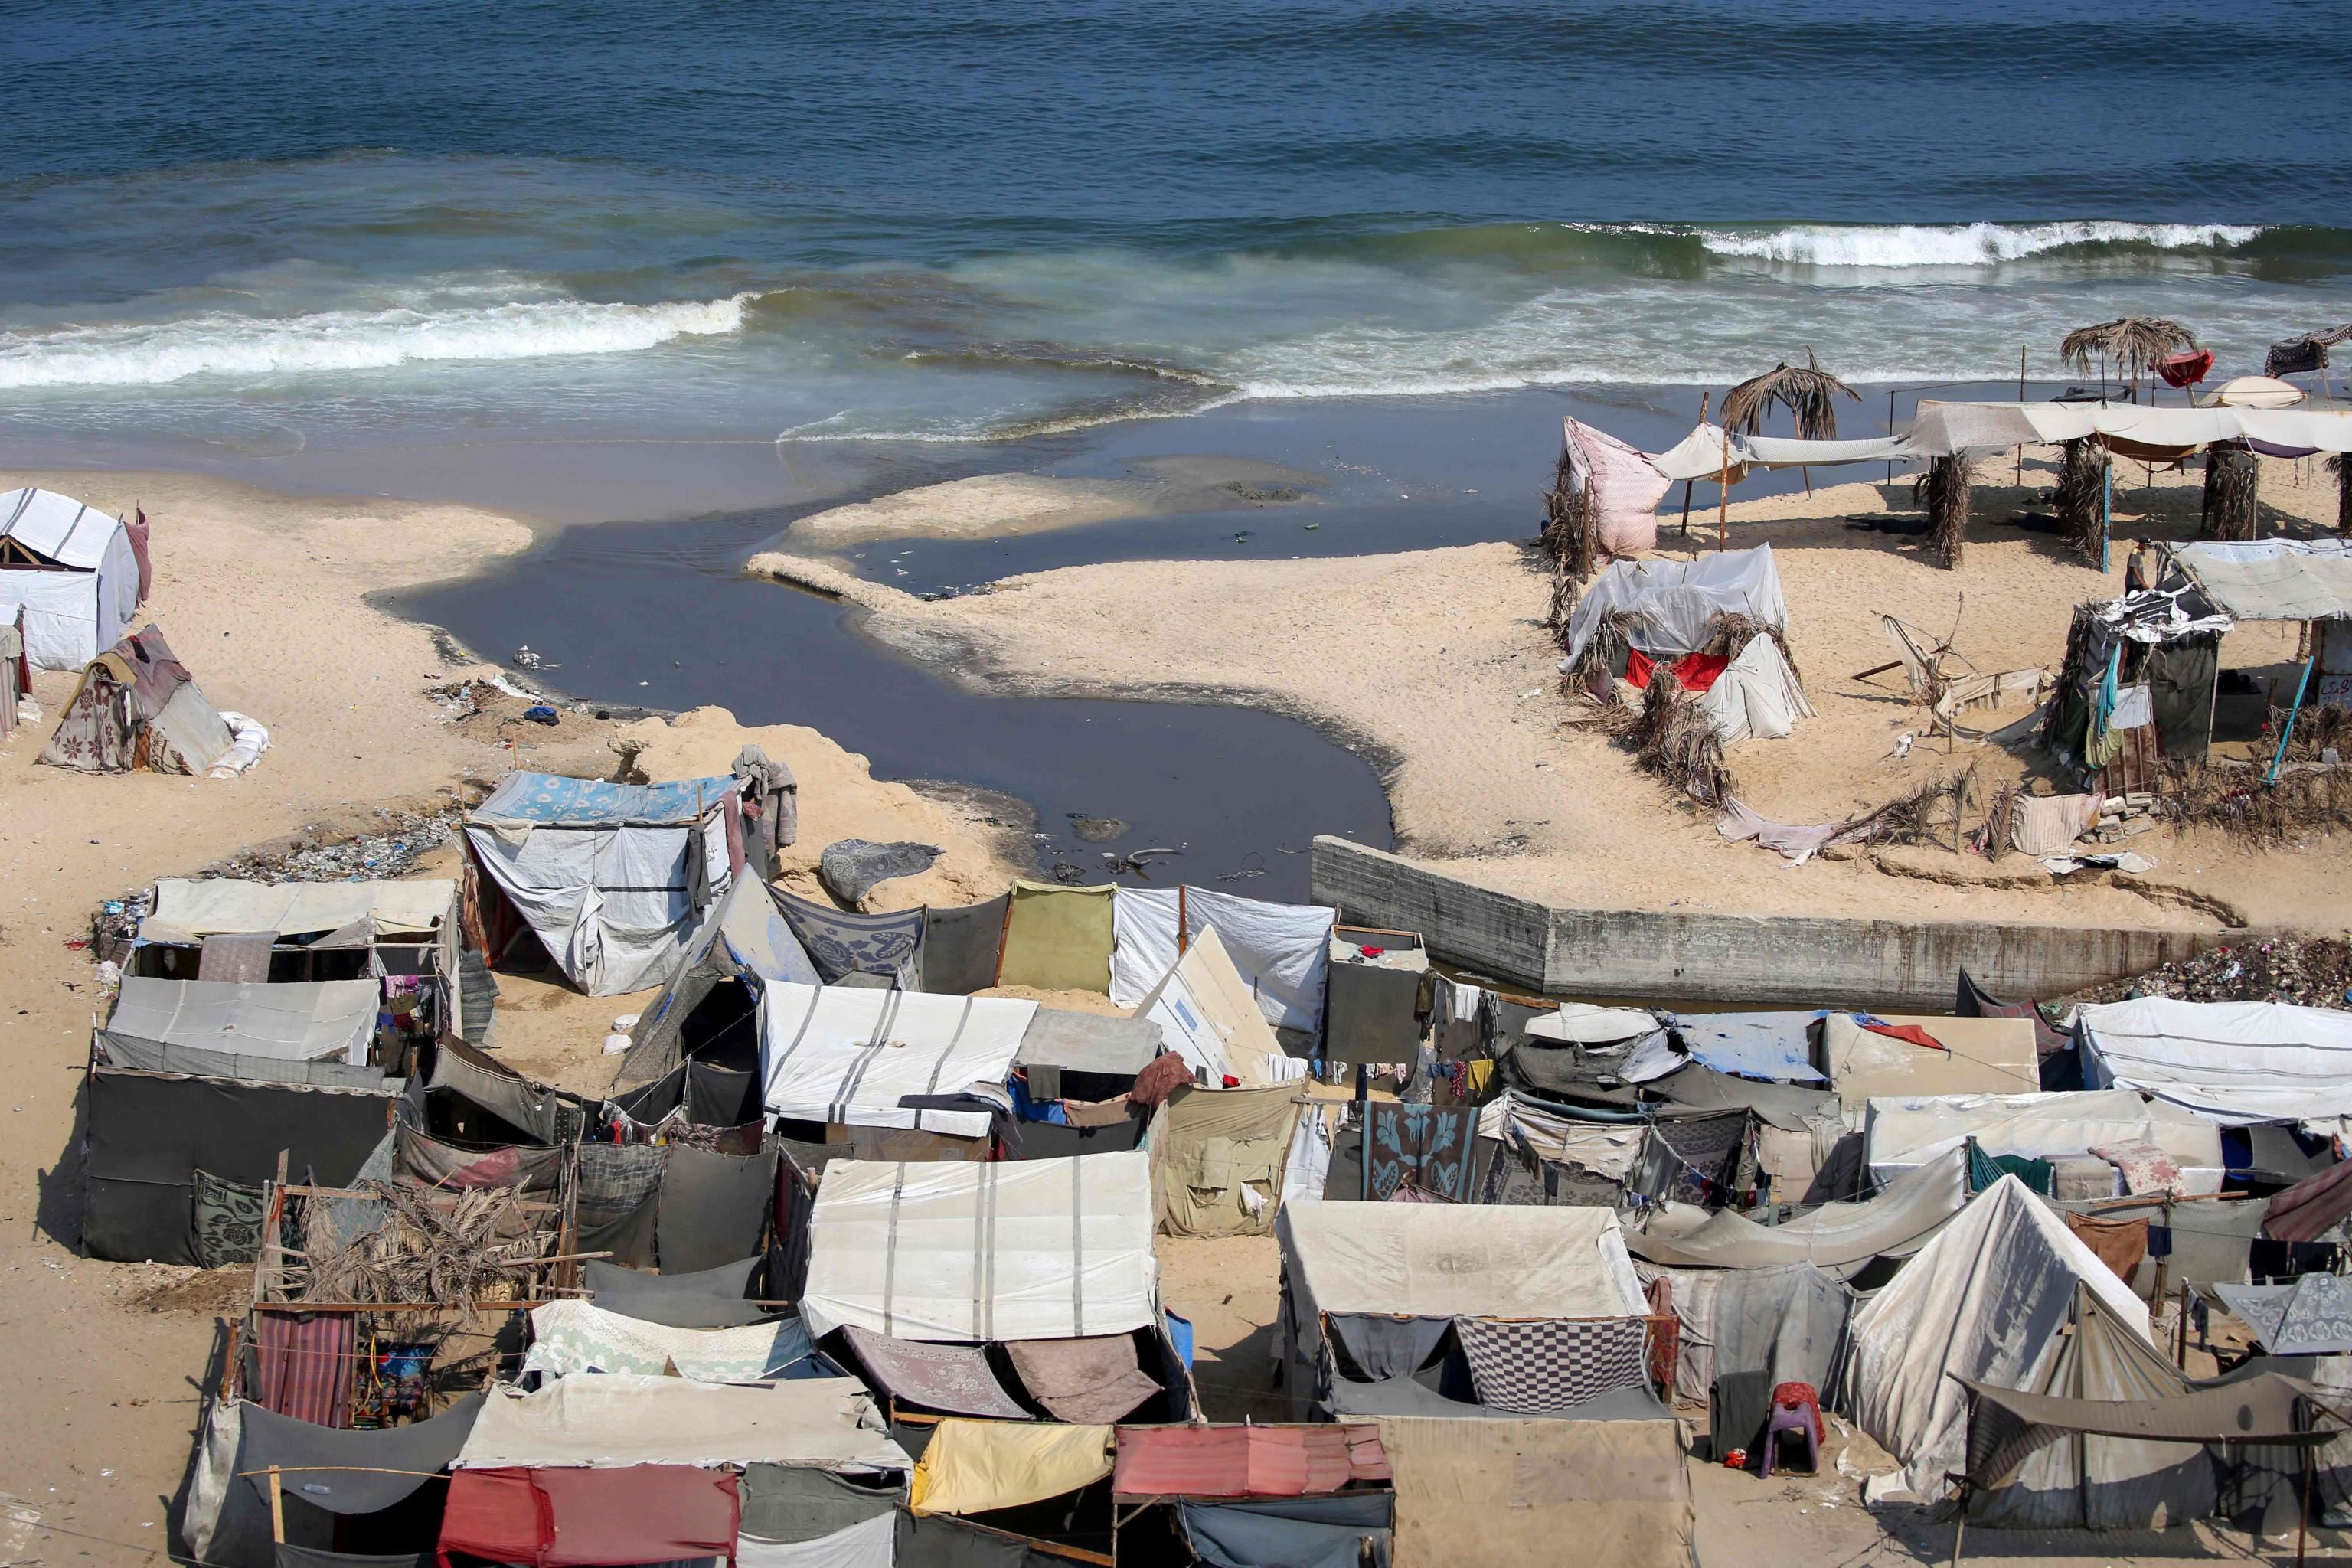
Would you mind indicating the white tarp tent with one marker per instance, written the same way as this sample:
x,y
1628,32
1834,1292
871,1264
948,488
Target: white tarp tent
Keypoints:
x,y
953,1250
1446,1260
848,1054
1985,1301
2274,579
611,1420
1901,1133
1676,599
187,910
1206,1014
1757,697
612,878
305,1020
82,600
1282,951
2237,1062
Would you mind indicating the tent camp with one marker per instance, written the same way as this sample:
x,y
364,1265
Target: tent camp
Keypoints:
x,y
1901,1133
1041,1250
1206,1013
2237,1062
1282,951
73,571
139,710
1665,608
1985,1299
850,1056
743,945
610,880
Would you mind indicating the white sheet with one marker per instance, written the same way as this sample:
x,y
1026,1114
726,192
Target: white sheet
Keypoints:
x,y
849,1054
869,1543
1757,697
2237,1062
609,904
1443,1260
1676,599
1282,951
1902,1133
187,910
1037,1249
1207,1016
613,1420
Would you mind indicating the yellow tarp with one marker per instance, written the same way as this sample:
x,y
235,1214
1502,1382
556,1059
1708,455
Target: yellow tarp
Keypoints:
x,y
971,1467
1216,1159
1058,938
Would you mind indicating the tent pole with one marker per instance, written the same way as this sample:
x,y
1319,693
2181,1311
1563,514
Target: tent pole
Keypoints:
x,y
1723,493
2287,733
2303,1514
1961,1526
1364,1131
2020,397
1703,398
2107,510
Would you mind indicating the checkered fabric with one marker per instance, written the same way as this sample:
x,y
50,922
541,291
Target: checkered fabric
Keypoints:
x,y
1536,1368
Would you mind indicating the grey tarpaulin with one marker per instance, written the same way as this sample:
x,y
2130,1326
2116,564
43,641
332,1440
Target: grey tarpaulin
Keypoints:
x,y
1839,1237
706,1299
1088,1043
434,1162
791,1502
1787,1323
1292,1532
290,1556
234,1531
960,946
149,1135
1371,1347
1369,1014
194,1061
619,1184
843,942
713,1207
943,1541
534,1107
720,1097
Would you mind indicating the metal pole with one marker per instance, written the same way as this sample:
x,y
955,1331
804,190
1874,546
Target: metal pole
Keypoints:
x,y
2106,508
1723,492
2287,732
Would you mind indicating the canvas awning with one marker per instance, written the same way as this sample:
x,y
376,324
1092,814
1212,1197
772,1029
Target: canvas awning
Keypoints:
x,y
1039,1249
187,910
2237,1062
613,1420
1838,1238
2261,1409
305,1020
849,1055
1902,1132
2273,579
1445,1260
1233,1461
973,1466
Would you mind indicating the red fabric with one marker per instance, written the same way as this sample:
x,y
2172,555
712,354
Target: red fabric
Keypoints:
x,y
2311,1208
305,1363
1246,1461
2185,369
1911,1032
137,530
732,810
1800,1396
591,1517
1164,1077
1697,671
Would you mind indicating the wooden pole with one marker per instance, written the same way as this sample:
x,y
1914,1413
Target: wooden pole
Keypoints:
x,y
1723,495
2303,1514
1686,484
2020,397
1961,1526
276,1506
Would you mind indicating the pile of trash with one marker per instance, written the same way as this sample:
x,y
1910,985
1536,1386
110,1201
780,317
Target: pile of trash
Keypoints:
x,y
2316,972
406,837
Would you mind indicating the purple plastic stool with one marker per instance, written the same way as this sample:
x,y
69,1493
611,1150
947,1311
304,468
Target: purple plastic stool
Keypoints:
x,y
1800,1418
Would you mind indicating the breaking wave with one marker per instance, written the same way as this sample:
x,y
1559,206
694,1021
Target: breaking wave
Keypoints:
x,y
224,344
1963,244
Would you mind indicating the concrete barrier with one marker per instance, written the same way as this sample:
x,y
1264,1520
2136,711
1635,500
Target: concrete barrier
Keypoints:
x,y
1771,961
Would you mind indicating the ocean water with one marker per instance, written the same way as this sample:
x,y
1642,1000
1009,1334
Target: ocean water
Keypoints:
x,y
303,226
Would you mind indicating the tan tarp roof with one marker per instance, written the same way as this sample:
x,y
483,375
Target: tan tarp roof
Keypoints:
x,y
1445,1260
608,1420
1981,1055
1615,1493
187,910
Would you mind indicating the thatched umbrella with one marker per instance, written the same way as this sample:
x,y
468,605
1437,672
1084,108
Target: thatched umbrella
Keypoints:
x,y
1808,392
2131,343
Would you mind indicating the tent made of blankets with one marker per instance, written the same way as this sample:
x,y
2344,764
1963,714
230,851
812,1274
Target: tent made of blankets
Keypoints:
x,y
1867,1055
138,710
1517,1310
76,573
1038,1250
2110,1435
381,1485
615,1469
611,880
1604,1490
854,1055
1901,1133
1282,951
1985,1300
2237,1062
1240,1495
1840,1237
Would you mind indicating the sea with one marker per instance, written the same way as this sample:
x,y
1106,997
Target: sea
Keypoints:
x,y
714,263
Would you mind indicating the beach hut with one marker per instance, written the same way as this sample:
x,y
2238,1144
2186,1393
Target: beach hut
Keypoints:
x,y
77,575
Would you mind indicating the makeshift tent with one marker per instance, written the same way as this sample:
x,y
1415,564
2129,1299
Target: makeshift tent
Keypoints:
x,y
951,1380
1057,939
1840,1237
1782,1325
1217,1158
1035,1250
74,573
316,930
850,1054
1535,1154
331,1476
1984,1300
612,878
1900,1134
1618,485
1206,1013
568,1337
2236,1062
139,710
1673,602
614,1420
1967,1055
975,1467
1757,697
1282,951
564,1518
189,1026
1084,1056
743,945
151,1135
1613,1491
2111,1436
1772,1047
2272,579
1377,997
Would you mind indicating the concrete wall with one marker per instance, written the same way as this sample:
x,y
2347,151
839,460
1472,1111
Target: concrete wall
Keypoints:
x,y
1770,961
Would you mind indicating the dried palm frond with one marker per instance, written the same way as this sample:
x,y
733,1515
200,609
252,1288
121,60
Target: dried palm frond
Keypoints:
x,y
431,1246
1998,817
2317,730
2235,800
1570,538
2341,468
1674,739
1946,483
2082,483
2131,343
1808,392
1604,651
2232,504
1728,633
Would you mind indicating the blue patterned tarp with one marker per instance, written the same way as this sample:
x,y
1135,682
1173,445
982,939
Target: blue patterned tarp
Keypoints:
x,y
553,798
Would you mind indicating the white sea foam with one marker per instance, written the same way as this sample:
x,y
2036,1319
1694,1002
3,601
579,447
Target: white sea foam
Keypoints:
x,y
223,344
1960,244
